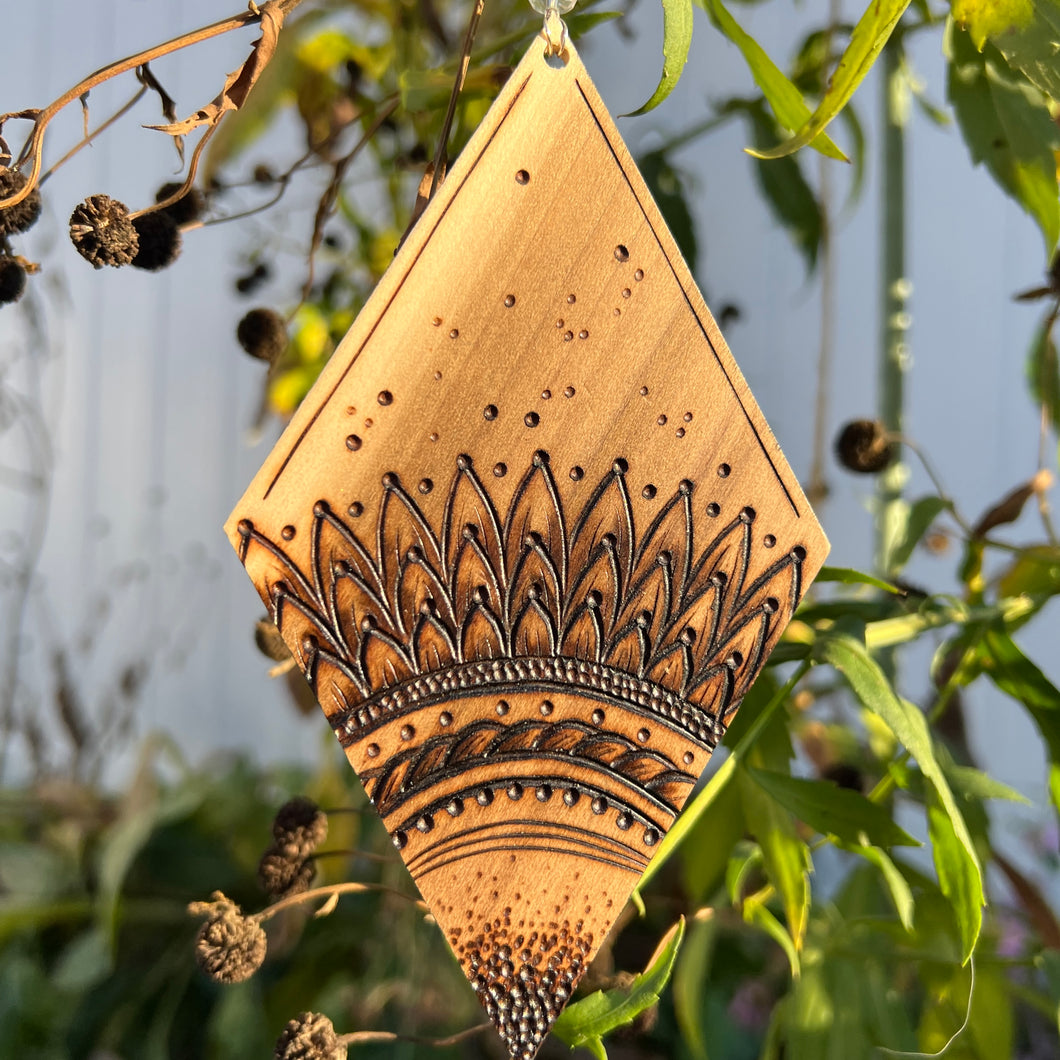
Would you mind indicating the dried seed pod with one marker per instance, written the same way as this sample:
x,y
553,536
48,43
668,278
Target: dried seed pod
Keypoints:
x,y
309,1036
102,232
12,280
864,446
159,241
23,216
186,209
230,947
284,870
300,822
263,334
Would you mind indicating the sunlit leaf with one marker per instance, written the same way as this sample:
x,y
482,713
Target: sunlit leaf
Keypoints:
x,y
677,39
786,100
1035,571
959,876
667,186
866,42
692,971
1005,122
848,576
897,885
589,1020
832,810
918,518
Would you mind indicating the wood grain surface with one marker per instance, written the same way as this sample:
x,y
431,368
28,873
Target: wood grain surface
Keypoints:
x,y
531,540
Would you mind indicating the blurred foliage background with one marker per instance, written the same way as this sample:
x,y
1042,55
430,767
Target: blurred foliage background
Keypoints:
x,y
838,873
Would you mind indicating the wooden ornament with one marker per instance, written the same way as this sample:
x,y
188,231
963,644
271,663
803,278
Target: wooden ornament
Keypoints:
x,y
531,540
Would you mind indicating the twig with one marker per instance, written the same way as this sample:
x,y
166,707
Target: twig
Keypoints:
x,y
42,118
441,153
333,891
366,1037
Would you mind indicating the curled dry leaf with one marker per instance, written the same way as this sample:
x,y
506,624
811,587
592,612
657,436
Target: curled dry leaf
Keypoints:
x,y
1009,508
238,83
329,906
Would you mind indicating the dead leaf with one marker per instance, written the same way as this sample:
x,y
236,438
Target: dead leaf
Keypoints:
x,y
1009,508
238,83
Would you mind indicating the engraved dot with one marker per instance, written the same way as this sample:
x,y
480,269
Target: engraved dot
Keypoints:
x,y
490,412
747,515
599,805
500,470
400,840
509,300
559,323
356,510
455,807
438,375
353,443
373,750
688,417
624,821
350,410
616,312
287,533
769,541
639,274
571,299
680,432
522,177
437,322
546,395
644,735
544,793
598,717
384,397
649,491
569,392
531,419
643,391
583,334
571,796
568,336
621,253
661,421
515,791
724,471
445,719
424,823
502,708
577,474
626,292
369,422
484,797
688,758
770,605
426,485
455,333
799,553
407,732
434,436
547,707
713,510
651,837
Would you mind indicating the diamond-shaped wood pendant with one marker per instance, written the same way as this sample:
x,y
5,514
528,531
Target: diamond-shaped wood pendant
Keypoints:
x,y
531,540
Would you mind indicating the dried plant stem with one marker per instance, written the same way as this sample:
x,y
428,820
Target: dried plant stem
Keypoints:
x,y
367,1037
333,891
442,151
43,118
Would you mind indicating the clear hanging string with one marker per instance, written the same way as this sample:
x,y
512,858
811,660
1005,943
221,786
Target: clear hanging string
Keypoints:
x,y
554,31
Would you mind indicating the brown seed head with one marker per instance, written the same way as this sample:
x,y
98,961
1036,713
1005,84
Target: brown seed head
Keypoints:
x,y
230,947
301,823
12,280
284,870
185,210
864,446
263,334
309,1036
22,217
159,241
102,232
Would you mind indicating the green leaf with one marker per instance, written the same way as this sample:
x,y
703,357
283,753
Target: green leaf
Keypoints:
x,y
975,784
690,975
755,913
1018,677
1006,124
897,885
832,810
846,576
587,1021
959,878
785,99
1026,32
1035,572
677,39
907,535
1049,962
866,43
787,191
1043,373
667,187
865,677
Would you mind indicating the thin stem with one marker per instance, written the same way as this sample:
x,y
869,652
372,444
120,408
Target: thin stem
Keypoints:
x,y
42,118
895,289
440,154
333,891
367,1037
